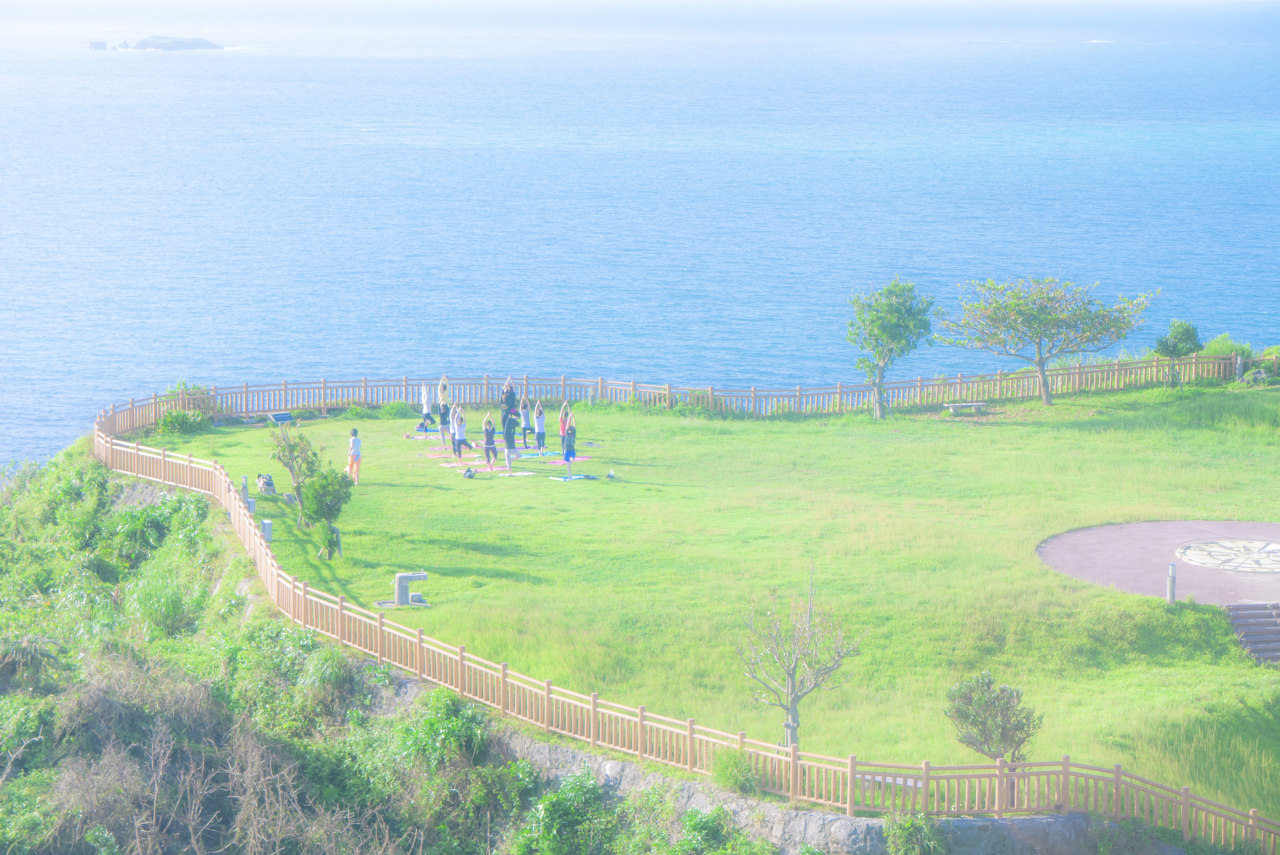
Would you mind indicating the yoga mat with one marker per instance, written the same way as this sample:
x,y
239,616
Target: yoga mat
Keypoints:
x,y
561,462
512,474
574,478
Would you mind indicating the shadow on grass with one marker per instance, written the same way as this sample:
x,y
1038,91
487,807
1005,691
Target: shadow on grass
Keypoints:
x,y
488,573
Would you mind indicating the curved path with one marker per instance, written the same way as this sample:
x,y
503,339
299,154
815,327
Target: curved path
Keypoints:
x,y
1135,557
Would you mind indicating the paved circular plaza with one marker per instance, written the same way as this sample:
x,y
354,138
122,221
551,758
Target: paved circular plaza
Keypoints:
x,y
1218,562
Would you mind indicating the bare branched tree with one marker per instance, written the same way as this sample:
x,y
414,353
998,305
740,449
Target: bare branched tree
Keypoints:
x,y
791,653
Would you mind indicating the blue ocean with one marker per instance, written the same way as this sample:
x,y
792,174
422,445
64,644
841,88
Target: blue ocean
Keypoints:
x,y
672,208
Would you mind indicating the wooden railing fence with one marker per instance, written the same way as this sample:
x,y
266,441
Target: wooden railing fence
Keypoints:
x,y
850,784
330,394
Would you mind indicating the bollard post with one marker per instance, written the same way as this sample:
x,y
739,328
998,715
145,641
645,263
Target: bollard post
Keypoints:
x,y
244,487
1171,595
253,506
266,530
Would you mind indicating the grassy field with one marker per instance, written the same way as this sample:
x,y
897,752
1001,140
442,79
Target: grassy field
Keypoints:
x,y
921,532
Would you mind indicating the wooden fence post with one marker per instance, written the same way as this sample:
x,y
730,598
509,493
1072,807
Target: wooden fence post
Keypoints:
x,y
502,690
1186,814
462,670
849,789
689,748
404,388
595,728
795,769
420,657
999,788
711,398
486,389
191,471
753,401
364,391
305,604
164,465
1115,798
600,391
284,395
1253,825
640,733
924,788
839,398
546,707
797,399
324,397
381,643
633,391
670,403
342,619
564,388
1064,788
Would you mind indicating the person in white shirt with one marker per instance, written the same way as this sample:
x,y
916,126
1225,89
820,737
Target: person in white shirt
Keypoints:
x,y
353,456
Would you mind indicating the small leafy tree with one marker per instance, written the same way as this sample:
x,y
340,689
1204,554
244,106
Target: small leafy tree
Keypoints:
x,y
888,324
299,459
1183,340
791,653
990,719
1037,320
328,491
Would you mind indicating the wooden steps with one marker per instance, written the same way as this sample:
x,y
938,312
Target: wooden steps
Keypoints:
x,y
1257,625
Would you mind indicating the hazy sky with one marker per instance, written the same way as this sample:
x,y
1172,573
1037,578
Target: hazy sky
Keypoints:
x,y
1099,19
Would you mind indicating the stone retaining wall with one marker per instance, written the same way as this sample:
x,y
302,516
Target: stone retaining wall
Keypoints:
x,y
790,828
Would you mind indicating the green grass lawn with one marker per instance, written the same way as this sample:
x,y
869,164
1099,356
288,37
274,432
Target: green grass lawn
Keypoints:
x,y
921,532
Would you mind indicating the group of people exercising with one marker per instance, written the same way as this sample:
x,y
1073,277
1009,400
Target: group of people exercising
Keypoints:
x,y
514,416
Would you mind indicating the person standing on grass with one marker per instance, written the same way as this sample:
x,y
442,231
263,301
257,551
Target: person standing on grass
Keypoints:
x,y
490,447
446,419
526,426
509,423
427,418
353,457
540,428
460,434
565,415
569,442
509,397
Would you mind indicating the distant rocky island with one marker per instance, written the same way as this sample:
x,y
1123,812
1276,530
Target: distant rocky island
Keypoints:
x,y
160,43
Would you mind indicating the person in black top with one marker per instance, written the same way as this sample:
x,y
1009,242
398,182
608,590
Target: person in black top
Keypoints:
x,y
570,451
510,421
490,447
509,397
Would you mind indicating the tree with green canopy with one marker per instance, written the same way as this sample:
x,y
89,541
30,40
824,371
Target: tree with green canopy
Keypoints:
x,y
300,459
990,719
888,324
1037,320
327,492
